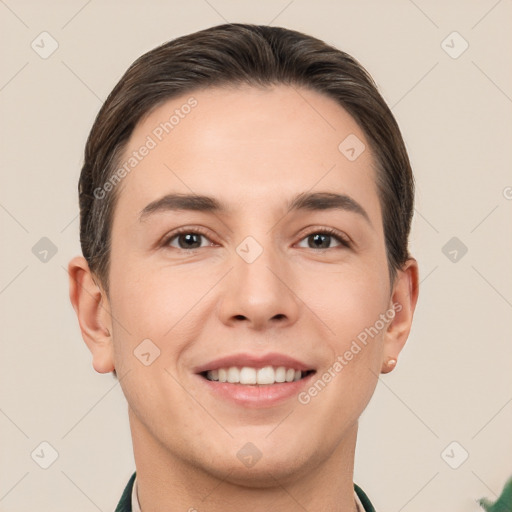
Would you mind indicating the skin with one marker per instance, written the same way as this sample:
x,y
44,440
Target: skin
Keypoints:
x,y
252,149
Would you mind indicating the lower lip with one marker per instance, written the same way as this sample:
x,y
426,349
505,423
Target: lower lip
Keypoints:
x,y
257,396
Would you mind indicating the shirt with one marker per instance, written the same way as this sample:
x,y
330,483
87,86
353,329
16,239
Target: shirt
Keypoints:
x,y
130,503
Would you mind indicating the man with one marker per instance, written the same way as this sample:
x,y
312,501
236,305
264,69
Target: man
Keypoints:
x,y
246,201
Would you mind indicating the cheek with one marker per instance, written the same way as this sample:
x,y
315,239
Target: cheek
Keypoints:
x,y
351,308
146,298
163,305
347,302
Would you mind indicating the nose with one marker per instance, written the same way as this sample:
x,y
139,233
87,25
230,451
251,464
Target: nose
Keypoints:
x,y
259,293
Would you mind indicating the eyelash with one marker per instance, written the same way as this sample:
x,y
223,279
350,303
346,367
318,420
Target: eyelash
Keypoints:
x,y
343,240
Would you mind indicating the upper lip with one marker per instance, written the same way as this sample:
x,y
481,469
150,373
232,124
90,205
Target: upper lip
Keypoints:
x,y
254,361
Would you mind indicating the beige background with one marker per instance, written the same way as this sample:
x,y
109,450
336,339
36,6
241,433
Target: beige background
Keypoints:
x,y
454,379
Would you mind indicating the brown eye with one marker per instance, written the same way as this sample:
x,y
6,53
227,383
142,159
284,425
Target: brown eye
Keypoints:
x,y
320,241
325,240
187,240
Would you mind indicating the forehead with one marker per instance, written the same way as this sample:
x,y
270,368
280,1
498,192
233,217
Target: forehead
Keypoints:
x,y
247,146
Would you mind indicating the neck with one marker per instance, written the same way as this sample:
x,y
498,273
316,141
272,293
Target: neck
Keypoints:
x,y
166,481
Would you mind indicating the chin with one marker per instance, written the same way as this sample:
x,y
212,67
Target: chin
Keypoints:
x,y
258,464
265,473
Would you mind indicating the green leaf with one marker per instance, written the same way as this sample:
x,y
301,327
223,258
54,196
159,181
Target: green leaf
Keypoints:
x,y
503,503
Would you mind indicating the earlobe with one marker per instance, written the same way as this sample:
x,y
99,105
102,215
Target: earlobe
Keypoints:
x,y
389,365
403,301
93,312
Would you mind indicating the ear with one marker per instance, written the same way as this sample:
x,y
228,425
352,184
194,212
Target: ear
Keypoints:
x,y
403,301
92,308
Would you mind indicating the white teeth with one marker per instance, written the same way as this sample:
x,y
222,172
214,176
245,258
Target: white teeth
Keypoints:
x,y
247,376
265,375
261,376
280,374
233,374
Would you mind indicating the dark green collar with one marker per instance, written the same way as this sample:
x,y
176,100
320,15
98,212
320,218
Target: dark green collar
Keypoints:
x,y
125,504
368,507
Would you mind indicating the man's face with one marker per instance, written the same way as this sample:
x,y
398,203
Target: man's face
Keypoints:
x,y
251,280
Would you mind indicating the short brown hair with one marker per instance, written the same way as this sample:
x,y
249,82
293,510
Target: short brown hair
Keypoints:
x,y
237,54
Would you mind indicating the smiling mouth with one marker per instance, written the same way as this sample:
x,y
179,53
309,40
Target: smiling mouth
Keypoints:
x,y
248,376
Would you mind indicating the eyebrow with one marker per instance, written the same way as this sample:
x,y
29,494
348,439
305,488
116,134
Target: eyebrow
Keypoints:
x,y
311,201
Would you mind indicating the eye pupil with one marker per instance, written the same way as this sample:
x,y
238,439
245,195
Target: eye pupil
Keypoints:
x,y
322,239
189,238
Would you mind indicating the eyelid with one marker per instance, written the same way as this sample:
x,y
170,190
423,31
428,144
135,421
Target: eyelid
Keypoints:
x,y
185,230
343,238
